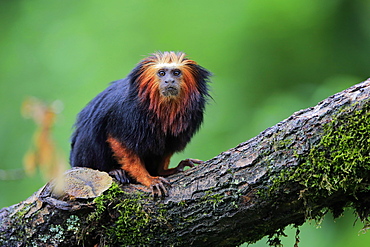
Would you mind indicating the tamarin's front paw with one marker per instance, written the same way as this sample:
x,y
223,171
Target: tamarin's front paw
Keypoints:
x,y
158,186
120,175
188,162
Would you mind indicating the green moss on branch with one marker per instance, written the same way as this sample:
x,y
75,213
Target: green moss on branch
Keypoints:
x,y
125,219
338,164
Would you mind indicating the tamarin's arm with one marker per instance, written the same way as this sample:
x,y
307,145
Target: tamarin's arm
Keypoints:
x,y
134,166
163,169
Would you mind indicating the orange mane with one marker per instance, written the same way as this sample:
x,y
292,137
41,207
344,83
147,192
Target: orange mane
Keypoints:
x,y
169,110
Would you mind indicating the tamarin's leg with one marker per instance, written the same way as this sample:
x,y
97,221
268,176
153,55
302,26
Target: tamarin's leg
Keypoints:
x,y
163,166
133,165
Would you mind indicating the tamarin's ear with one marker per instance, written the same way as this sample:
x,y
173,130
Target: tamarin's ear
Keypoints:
x,y
135,73
200,76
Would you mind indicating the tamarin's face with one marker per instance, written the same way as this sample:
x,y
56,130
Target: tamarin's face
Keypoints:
x,y
170,84
169,79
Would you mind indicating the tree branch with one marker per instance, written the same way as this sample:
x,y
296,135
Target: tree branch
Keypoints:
x,y
314,161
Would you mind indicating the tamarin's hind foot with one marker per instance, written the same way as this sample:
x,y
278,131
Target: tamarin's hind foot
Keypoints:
x,y
158,186
120,175
188,162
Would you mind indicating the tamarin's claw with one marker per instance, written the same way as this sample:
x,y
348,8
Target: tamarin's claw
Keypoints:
x,y
158,186
188,162
120,175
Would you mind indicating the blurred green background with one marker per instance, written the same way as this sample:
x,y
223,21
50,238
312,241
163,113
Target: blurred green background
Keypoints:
x,y
269,59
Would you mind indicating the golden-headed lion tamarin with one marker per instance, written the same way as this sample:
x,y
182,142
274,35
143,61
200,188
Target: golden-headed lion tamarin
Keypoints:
x,y
133,127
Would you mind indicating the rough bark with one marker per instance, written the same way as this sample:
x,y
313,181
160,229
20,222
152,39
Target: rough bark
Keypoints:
x,y
314,161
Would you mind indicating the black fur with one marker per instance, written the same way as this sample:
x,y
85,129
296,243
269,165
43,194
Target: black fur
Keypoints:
x,y
118,112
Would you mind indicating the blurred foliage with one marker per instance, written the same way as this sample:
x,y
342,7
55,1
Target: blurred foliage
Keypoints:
x,y
43,154
269,59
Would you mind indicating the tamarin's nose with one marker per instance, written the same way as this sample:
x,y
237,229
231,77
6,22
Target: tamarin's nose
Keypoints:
x,y
170,81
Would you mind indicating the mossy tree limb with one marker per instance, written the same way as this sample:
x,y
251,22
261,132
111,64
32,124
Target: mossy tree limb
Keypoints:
x,y
316,160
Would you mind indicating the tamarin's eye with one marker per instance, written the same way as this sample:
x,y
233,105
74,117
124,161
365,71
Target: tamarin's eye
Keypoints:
x,y
161,73
176,72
